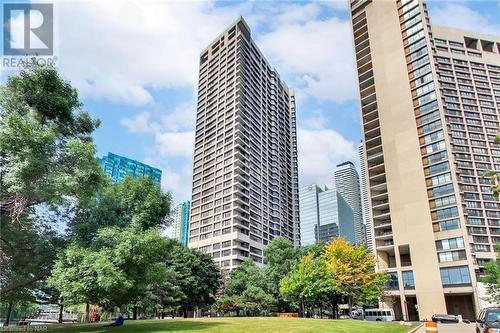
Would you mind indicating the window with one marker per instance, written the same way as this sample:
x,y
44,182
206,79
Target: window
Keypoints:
x,y
451,256
440,145
408,281
444,213
441,167
433,137
447,225
455,276
450,243
441,179
441,190
444,201
430,127
392,282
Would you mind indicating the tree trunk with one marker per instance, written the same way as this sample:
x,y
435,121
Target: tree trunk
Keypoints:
x,y
333,312
87,312
350,305
135,313
302,312
9,311
61,309
321,311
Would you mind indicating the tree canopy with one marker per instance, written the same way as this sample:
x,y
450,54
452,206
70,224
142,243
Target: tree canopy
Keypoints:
x,y
47,159
492,279
134,201
318,276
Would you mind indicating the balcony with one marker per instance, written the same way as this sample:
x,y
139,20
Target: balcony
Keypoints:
x,y
371,124
385,234
381,214
380,204
383,224
385,245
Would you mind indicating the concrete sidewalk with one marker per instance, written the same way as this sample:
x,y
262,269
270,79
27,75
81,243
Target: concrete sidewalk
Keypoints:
x,y
452,328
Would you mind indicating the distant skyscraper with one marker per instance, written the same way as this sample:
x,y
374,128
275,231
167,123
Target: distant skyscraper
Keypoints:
x,y
430,106
365,199
324,214
179,223
119,167
245,190
347,184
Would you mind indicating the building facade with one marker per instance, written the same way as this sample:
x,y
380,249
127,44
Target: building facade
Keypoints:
x,y
179,223
430,111
365,199
245,178
324,214
347,184
119,167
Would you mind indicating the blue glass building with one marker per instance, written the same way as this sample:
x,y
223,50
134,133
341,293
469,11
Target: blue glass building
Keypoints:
x,y
185,222
324,215
119,167
179,223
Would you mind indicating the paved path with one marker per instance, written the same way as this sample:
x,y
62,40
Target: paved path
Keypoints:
x,y
453,328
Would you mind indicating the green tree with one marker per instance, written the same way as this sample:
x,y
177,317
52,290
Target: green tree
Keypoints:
x,y
198,277
281,256
133,201
246,275
256,301
352,270
119,269
492,279
21,299
167,296
308,283
46,160
83,275
249,285
226,304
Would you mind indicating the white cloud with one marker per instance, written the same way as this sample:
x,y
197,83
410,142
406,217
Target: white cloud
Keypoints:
x,y
140,123
179,183
183,117
173,146
316,121
118,49
169,144
319,152
122,50
317,53
337,4
460,16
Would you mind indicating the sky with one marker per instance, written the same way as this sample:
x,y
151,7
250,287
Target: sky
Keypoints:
x,y
135,65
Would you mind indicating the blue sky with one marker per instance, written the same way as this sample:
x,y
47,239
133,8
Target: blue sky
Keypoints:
x,y
135,64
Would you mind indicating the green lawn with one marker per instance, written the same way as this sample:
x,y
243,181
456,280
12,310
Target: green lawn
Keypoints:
x,y
235,325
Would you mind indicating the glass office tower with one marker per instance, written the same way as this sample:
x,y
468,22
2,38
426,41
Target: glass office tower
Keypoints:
x,y
324,215
119,167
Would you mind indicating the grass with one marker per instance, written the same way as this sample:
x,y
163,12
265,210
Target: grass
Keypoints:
x,y
236,325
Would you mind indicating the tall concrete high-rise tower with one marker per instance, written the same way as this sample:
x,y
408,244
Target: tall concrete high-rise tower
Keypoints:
x,y
245,182
365,199
430,101
347,184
